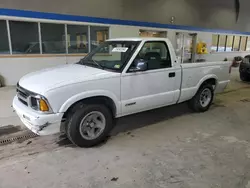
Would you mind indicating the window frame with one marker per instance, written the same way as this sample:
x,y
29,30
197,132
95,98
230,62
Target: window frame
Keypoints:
x,y
11,25
42,54
165,32
8,47
246,40
225,46
90,27
238,45
67,39
63,38
142,45
227,37
127,61
222,45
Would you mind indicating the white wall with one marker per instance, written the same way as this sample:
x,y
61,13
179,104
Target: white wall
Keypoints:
x,y
220,56
117,31
13,68
216,56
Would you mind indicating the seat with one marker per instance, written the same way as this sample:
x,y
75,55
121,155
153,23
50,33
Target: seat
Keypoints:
x,y
153,59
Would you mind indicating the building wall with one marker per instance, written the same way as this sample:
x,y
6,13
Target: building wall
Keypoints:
x,y
97,8
160,11
217,14
186,12
217,56
13,68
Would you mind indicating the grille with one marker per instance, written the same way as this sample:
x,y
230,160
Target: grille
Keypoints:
x,y
23,95
23,101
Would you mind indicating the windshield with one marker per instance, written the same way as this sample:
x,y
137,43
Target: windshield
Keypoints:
x,y
112,55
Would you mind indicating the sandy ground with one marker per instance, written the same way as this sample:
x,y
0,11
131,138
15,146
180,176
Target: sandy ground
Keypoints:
x,y
168,147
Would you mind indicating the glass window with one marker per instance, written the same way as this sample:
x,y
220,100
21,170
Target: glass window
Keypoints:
x,y
243,43
53,38
222,43
248,43
98,35
24,37
188,44
120,54
236,46
215,39
229,45
156,54
77,38
4,43
144,33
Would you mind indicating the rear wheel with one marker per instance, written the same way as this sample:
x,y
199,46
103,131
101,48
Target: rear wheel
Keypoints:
x,y
244,77
89,125
203,98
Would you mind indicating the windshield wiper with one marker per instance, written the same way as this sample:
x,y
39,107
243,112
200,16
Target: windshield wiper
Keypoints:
x,y
100,66
83,61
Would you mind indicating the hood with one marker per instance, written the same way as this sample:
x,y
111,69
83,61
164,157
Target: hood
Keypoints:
x,y
44,80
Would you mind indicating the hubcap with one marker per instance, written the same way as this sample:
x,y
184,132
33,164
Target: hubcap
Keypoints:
x,y
205,97
92,125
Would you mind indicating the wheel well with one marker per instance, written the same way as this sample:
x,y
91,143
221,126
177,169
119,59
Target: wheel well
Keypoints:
x,y
93,100
211,81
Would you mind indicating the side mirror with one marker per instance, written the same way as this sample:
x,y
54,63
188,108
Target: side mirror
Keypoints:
x,y
139,66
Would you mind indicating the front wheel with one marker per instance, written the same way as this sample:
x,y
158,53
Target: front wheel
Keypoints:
x,y
202,99
89,125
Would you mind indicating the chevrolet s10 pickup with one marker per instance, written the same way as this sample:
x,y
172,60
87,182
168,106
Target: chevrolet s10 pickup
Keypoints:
x,y
118,78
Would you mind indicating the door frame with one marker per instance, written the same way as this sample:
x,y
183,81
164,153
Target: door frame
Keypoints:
x,y
184,35
168,44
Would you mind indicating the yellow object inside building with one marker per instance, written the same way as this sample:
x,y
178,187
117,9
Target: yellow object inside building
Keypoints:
x,y
201,48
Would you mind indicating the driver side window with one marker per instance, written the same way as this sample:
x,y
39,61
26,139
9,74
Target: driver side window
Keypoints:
x,y
156,54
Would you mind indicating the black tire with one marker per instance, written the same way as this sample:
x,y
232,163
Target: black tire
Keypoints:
x,y
243,77
195,103
73,124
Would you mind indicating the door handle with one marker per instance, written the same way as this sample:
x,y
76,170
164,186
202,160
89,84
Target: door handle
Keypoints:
x,y
171,74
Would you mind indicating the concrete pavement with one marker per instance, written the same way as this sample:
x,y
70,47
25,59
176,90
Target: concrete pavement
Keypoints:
x,y
7,116
169,147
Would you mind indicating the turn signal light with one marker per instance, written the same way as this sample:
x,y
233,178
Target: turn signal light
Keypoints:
x,y
43,106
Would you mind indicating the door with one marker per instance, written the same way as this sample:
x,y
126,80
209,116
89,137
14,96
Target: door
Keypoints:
x,y
186,47
152,88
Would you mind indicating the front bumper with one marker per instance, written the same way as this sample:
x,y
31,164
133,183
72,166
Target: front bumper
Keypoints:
x,y
41,124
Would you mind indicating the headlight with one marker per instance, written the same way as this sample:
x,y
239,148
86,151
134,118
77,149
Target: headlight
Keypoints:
x,y
39,103
33,100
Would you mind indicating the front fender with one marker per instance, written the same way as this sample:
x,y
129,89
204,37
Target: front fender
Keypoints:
x,y
87,94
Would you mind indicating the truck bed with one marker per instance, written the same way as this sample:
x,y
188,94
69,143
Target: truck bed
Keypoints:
x,y
193,77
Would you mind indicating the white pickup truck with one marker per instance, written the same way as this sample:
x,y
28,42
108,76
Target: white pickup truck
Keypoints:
x,y
120,77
